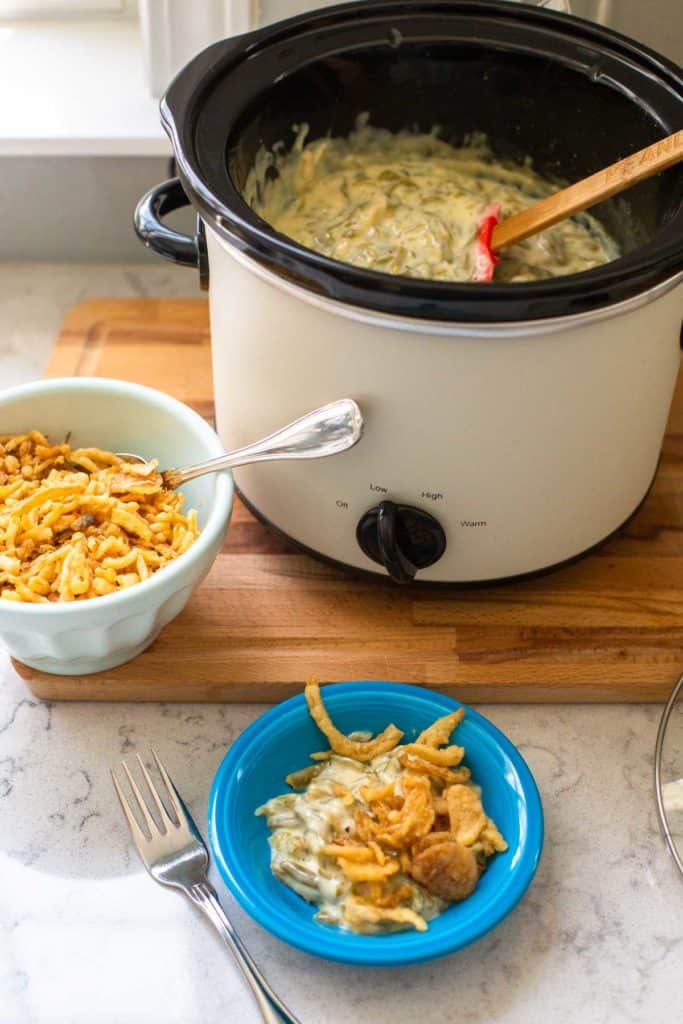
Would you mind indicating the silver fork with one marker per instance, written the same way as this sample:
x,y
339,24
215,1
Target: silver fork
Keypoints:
x,y
175,855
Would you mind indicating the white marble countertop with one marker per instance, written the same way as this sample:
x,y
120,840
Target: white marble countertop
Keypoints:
x,y
87,938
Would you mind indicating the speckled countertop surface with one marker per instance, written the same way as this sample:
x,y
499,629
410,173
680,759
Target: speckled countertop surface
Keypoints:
x,y
87,938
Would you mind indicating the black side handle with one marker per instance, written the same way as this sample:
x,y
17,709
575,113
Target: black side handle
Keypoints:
x,y
186,250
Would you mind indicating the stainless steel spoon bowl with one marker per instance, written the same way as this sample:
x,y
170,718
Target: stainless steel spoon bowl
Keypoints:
x,y
329,430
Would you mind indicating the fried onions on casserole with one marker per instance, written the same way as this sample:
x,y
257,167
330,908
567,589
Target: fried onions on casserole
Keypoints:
x,y
381,836
345,745
80,523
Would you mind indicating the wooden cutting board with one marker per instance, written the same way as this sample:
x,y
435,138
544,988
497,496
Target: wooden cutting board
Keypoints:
x,y
608,628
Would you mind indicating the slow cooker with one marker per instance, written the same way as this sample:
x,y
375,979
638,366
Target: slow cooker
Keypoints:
x,y
509,428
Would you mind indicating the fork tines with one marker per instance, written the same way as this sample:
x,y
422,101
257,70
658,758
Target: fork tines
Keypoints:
x,y
139,809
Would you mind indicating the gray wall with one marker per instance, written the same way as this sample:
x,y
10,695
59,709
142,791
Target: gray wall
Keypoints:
x,y
75,208
657,23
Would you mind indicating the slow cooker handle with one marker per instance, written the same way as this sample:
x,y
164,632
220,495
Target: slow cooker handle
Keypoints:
x,y
186,250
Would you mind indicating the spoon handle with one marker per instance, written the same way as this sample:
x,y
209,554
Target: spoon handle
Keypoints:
x,y
332,429
589,191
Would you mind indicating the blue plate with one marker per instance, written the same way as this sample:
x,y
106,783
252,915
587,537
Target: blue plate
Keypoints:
x,y
280,741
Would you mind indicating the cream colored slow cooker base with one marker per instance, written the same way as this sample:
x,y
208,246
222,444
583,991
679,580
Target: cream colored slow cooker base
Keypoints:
x,y
529,443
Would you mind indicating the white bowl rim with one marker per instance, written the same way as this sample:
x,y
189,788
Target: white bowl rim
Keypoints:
x,y
220,510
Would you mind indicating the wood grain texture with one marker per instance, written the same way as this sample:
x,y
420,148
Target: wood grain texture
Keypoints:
x,y
607,628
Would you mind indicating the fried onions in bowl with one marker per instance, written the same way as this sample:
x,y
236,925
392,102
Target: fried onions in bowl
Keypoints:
x,y
81,523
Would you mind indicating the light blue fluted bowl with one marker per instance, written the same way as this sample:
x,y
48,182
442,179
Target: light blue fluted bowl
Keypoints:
x,y
280,741
99,633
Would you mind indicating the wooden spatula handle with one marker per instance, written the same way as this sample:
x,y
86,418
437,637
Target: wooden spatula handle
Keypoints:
x,y
586,193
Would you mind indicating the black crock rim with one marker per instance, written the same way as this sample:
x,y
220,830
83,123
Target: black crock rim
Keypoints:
x,y
233,219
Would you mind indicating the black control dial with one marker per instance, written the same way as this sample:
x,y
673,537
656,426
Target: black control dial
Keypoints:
x,y
401,538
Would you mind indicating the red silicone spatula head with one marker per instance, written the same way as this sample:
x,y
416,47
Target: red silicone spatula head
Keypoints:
x,y
484,257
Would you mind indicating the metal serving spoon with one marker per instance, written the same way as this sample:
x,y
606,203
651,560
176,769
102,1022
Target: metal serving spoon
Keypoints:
x,y
332,429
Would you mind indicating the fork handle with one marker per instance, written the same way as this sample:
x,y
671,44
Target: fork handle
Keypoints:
x,y
273,1010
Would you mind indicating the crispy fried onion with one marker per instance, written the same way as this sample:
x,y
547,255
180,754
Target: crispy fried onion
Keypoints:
x,y
447,756
371,794
439,732
360,750
436,771
368,872
380,895
490,840
363,916
398,827
349,851
465,813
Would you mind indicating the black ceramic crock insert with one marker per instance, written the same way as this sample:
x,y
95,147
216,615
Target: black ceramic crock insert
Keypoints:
x,y
572,95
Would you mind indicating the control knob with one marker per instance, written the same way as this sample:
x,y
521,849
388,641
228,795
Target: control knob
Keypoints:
x,y
401,538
